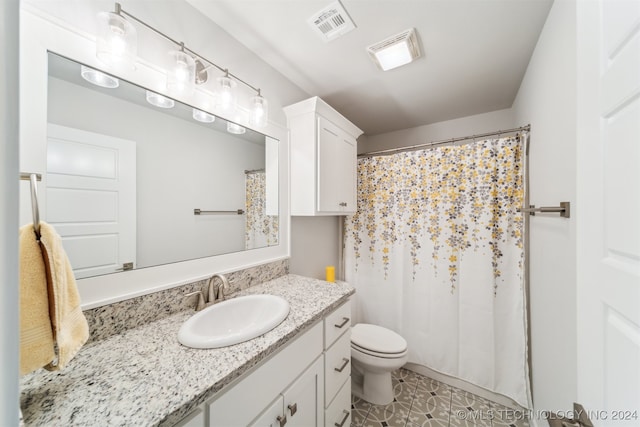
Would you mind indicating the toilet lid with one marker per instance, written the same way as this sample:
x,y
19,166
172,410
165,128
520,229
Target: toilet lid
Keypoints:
x,y
377,339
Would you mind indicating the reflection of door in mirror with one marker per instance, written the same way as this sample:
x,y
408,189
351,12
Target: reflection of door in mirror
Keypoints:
x,y
91,198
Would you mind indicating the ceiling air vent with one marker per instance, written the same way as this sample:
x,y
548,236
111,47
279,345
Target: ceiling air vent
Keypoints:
x,y
331,22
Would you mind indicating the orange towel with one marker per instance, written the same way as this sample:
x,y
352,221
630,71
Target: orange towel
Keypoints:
x,y
70,329
36,336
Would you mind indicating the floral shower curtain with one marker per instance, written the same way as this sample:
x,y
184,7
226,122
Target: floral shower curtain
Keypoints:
x,y
261,229
436,253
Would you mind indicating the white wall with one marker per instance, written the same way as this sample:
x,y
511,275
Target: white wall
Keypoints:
x,y
174,158
477,124
314,245
547,100
9,403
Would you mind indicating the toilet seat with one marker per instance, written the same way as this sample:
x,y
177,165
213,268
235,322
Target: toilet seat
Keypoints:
x,y
357,348
377,341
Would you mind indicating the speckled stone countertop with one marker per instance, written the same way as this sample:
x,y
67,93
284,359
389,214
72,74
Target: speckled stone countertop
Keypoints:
x,y
144,377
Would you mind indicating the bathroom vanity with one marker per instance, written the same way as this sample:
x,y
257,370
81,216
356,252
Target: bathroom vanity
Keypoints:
x,y
298,370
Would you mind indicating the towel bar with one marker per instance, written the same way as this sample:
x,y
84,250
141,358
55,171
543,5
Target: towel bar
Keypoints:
x,y
35,212
201,212
564,209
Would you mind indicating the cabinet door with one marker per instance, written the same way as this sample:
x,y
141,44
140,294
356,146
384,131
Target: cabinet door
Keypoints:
x,y
272,416
304,400
337,178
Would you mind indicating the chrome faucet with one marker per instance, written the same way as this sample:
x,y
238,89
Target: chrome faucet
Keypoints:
x,y
212,296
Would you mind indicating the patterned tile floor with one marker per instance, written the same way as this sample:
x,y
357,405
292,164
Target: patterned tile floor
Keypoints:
x,y
421,401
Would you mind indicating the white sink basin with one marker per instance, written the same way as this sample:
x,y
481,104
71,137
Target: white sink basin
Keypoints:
x,y
233,321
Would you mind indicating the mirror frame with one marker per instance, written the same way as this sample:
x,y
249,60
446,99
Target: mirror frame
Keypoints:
x,y
41,33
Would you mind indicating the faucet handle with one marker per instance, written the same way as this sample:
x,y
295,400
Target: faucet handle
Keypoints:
x,y
200,304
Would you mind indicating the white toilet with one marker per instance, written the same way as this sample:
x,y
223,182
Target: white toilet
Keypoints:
x,y
375,353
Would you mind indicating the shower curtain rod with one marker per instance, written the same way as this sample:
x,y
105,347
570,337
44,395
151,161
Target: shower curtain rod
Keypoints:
x,y
526,128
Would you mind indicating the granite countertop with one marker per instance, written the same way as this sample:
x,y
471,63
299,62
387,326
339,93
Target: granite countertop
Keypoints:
x,y
144,377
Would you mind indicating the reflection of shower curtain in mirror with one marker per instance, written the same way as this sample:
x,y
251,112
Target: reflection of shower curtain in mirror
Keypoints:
x,y
435,252
261,229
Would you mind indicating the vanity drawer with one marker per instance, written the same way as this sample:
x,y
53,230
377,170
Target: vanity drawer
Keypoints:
x,y
337,366
336,323
339,411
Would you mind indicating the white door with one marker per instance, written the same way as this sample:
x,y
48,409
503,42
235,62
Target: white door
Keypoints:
x,y
91,198
608,210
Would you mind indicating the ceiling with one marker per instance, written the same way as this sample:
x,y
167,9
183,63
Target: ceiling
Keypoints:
x,y
474,54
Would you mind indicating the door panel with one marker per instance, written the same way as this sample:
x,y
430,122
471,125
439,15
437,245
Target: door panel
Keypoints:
x,y
91,198
608,210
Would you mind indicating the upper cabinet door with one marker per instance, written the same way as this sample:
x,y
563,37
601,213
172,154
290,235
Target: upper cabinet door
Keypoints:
x,y
323,159
336,169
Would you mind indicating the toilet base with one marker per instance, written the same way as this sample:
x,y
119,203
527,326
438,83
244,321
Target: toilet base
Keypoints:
x,y
373,387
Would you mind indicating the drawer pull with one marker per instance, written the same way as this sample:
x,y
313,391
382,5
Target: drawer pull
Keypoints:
x,y
345,362
293,409
345,320
344,420
282,420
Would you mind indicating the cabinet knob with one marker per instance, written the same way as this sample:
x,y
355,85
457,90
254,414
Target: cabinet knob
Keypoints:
x,y
343,204
282,420
345,362
344,420
293,408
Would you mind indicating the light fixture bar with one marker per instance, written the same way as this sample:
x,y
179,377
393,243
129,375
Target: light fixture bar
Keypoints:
x,y
120,11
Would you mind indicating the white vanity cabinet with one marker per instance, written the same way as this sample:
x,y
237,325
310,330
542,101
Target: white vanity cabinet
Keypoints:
x,y
337,368
292,372
323,159
305,384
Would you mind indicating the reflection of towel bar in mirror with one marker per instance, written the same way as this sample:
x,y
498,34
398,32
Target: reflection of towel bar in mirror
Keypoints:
x,y
35,211
200,212
564,209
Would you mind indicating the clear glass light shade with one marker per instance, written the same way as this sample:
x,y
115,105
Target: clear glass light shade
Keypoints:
x,y
235,129
226,94
181,77
98,78
158,100
203,117
117,42
259,111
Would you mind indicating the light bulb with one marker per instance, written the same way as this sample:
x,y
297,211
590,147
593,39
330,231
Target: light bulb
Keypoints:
x,y
116,44
181,78
226,93
259,111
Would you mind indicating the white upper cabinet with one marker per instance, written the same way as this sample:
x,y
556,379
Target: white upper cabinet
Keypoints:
x,y
323,159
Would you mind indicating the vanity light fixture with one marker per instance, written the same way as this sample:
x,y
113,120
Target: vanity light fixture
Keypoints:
x,y
117,41
159,101
98,78
226,92
235,129
259,110
396,50
203,117
181,78
116,44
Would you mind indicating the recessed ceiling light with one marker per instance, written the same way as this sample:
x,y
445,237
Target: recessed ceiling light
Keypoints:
x,y
396,50
159,101
98,78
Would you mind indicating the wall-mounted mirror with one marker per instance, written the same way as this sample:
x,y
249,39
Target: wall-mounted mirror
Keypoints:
x,y
131,184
